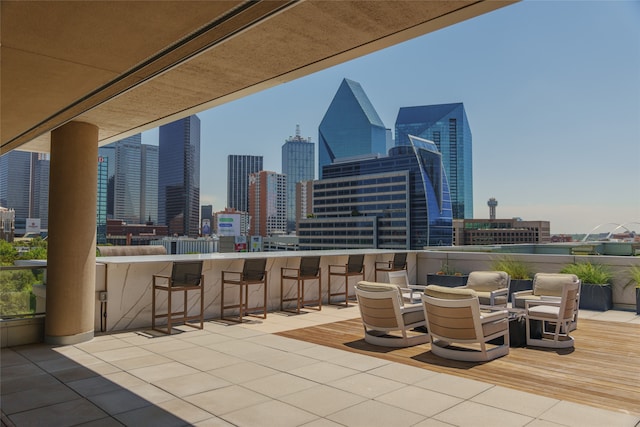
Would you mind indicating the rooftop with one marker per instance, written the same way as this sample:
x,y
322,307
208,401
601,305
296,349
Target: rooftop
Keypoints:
x,y
246,374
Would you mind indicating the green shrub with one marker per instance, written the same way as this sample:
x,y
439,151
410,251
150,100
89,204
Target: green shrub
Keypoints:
x,y
635,277
588,272
514,268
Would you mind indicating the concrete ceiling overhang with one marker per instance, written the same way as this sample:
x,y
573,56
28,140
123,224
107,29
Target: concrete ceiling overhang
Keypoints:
x,y
130,66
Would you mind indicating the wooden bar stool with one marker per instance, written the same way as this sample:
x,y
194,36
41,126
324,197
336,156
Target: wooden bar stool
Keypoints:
x,y
353,267
253,273
185,276
399,262
309,270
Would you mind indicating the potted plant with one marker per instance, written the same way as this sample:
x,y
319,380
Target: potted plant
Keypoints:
x,y
635,281
518,271
596,292
447,276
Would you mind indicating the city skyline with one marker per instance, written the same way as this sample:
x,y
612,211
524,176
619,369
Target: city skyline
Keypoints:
x,y
553,107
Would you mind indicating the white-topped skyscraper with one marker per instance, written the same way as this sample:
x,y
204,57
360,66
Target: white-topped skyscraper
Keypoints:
x,y
298,164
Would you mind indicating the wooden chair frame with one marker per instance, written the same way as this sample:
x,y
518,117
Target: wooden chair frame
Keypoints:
x,y
309,269
253,274
353,267
399,262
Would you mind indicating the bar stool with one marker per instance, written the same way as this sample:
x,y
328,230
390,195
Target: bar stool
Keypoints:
x,y
353,267
309,270
185,276
253,273
399,262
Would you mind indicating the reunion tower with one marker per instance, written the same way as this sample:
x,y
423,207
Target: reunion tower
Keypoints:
x,y
492,203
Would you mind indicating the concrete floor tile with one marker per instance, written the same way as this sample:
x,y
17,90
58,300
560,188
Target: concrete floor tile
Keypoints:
x,y
279,384
453,386
515,401
323,372
277,413
372,413
572,414
322,400
150,416
227,399
422,401
402,373
29,399
360,362
241,372
166,370
140,362
184,410
286,362
117,401
474,414
366,385
67,413
186,385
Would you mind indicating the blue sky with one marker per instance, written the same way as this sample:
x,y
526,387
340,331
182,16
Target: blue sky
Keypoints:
x,y
552,94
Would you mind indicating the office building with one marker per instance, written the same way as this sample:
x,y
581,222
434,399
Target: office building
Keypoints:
x,y
206,220
101,200
127,179
15,186
149,183
500,231
396,202
298,164
179,181
239,167
304,201
447,126
350,127
39,205
267,203
231,222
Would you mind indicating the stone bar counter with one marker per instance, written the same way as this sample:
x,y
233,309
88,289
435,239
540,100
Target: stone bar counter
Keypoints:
x,y
127,281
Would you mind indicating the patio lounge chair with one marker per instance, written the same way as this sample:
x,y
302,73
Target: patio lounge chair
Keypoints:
x,y
459,330
556,315
492,287
546,285
386,321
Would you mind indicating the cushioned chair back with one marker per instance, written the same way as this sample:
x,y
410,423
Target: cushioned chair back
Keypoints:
x,y
571,296
551,284
254,269
399,260
444,321
354,265
186,273
399,278
487,281
376,303
309,266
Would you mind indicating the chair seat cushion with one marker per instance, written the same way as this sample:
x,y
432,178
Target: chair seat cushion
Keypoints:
x,y
548,311
411,317
520,301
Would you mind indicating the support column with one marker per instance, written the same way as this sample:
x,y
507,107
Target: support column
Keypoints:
x,y
71,258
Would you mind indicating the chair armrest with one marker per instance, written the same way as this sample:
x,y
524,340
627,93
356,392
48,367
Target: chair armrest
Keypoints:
x,y
237,273
496,293
530,303
493,315
385,264
410,308
287,270
342,266
522,293
161,276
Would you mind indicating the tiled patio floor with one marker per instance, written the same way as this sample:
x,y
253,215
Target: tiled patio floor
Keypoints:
x,y
244,375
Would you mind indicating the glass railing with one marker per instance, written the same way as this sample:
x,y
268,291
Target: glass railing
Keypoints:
x,y
22,291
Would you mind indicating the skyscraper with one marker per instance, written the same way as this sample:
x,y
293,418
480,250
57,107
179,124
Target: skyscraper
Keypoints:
x,y
396,202
447,126
267,203
132,180
239,167
298,164
15,186
179,176
101,200
40,165
350,127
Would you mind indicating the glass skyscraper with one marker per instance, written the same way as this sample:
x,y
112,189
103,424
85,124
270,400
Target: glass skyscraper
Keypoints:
x,y
298,164
15,186
239,167
149,183
447,126
179,176
40,166
350,127
367,196
101,200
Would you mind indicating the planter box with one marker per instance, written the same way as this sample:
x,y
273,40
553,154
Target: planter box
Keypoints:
x,y
637,300
596,297
446,280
